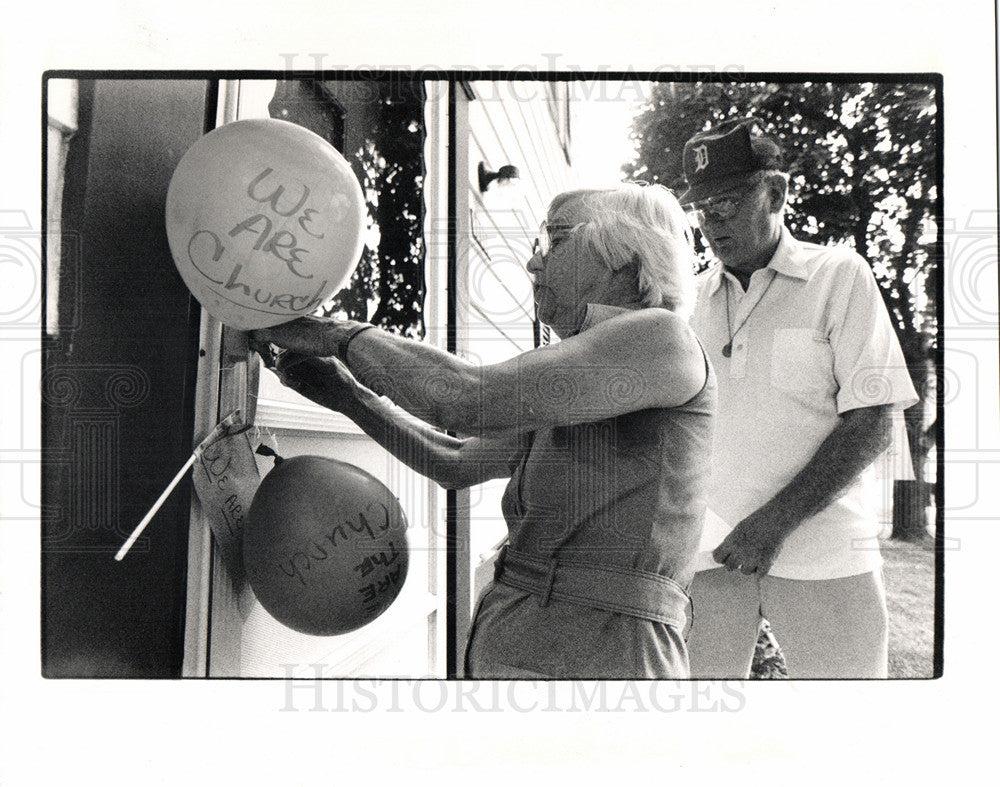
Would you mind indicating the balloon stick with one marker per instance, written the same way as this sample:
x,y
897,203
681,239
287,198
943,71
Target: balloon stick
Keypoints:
x,y
156,507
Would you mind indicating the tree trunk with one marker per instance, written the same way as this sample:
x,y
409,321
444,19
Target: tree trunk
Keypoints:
x,y
909,510
911,498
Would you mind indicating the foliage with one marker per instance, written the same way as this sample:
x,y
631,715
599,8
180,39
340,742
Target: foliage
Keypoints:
x,y
390,274
862,160
387,287
768,660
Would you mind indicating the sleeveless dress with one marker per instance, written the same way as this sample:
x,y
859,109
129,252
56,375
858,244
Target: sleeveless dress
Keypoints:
x,y
622,496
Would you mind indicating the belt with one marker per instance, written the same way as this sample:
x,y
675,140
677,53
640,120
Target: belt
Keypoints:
x,y
611,588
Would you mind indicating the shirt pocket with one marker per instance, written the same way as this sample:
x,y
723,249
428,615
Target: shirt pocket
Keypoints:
x,y
802,360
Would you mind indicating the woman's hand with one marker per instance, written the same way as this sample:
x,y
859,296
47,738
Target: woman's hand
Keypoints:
x,y
326,381
316,336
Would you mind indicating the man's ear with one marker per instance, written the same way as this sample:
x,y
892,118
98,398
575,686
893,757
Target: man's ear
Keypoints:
x,y
777,193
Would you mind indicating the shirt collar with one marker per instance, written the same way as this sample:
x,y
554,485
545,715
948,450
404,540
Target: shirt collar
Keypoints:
x,y
787,260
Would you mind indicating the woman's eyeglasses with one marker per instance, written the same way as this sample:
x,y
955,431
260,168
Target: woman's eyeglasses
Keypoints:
x,y
545,241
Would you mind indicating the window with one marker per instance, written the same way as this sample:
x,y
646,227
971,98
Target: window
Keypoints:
x,y
379,128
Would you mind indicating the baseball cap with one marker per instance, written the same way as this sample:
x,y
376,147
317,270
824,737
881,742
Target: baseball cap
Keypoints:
x,y
720,159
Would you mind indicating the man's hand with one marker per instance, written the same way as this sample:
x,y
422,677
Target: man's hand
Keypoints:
x,y
858,438
753,544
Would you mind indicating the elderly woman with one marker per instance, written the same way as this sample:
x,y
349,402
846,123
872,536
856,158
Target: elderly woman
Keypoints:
x,y
605,437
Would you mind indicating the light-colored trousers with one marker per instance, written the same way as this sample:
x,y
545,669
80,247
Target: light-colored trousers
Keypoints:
x,y
831,628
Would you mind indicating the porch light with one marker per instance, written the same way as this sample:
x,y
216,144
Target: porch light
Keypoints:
x,y
505,175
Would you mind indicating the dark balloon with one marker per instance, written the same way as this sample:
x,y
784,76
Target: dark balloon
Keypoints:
x,y
325,546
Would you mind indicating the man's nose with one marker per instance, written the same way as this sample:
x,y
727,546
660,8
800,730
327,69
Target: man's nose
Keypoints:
x,y
536,264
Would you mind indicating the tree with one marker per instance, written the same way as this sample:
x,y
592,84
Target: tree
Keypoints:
x,y
390,274
387,286
862,161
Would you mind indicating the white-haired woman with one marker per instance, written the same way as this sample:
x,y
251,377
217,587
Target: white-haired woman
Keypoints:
x,y
605,437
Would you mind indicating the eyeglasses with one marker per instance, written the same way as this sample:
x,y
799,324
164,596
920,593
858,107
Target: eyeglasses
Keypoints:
x,y
545,241
720,208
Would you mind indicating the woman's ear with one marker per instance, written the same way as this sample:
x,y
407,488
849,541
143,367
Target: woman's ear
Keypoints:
x,y
625,282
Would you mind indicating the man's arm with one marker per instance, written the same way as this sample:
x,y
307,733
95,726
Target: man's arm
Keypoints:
x,y
857,440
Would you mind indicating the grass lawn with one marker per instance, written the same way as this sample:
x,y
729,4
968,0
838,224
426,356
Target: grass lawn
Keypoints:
x,y
909,587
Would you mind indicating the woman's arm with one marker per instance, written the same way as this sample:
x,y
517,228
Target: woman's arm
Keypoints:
x,y
412,374
640,359
449,461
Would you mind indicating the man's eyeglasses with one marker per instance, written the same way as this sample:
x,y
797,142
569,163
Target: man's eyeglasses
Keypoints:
x,y
720,208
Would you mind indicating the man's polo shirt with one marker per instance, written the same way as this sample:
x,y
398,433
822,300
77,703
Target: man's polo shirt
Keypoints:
x,y
811,339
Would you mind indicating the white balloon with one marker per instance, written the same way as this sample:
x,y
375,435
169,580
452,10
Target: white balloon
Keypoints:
x,y
265,222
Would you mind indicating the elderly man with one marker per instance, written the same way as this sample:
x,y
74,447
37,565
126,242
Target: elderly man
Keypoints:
x,y
809,370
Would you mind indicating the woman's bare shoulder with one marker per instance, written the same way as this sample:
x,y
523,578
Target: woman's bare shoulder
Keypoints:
x,y
663,328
